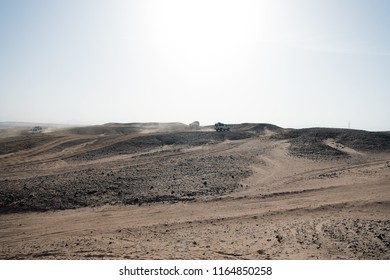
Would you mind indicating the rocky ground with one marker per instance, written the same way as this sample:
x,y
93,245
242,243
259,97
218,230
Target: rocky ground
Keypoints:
x,y
163,191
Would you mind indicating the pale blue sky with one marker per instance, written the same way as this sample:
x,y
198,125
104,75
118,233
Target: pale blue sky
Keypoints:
x,y
290,63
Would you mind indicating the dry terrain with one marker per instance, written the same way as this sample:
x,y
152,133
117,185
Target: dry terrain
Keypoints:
x,y
164,191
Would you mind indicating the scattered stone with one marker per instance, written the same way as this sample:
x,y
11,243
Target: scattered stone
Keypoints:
x,y
381,236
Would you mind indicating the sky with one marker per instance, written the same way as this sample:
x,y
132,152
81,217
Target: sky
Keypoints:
x,y
292,63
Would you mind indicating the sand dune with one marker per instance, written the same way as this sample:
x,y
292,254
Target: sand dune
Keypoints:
x,y
165,191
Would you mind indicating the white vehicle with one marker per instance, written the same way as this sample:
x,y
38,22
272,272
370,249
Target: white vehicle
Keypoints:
x,y
36,130
221,127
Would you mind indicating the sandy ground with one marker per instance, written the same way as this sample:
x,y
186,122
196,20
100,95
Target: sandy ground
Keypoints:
x,y
253,193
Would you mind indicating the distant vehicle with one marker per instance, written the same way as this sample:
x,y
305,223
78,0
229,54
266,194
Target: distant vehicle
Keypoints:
x,y
194,125
221,127
36,130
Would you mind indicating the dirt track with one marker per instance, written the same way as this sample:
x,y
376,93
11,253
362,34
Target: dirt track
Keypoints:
x,y
258,192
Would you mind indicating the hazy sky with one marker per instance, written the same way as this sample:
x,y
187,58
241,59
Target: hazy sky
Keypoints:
x,y
290,63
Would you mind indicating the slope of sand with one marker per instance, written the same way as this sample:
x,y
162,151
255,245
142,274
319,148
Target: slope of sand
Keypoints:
x,y
152,191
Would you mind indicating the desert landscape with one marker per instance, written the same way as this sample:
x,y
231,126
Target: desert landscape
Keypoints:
x,y
167,191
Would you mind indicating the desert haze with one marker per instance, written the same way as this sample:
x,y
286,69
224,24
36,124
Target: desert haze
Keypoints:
x,y
168,191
